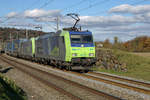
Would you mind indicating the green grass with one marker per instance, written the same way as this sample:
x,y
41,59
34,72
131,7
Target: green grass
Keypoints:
x,y
9,91
137,66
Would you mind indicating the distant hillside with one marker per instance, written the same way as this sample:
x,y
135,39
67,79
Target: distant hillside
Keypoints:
x,y
7,33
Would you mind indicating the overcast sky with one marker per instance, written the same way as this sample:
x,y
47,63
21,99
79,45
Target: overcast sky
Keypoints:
x,y
125,19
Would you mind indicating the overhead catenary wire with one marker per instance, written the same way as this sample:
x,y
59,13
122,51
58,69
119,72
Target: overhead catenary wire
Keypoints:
x,y
34,3
102,12
92,5
74,5
46,3
81,1
139,2
134,3
54,28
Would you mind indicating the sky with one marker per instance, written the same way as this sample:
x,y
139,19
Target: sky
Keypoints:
x,y
106,19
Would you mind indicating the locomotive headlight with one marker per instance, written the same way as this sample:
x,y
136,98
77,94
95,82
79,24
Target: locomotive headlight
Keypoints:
x,y
91,54
74,54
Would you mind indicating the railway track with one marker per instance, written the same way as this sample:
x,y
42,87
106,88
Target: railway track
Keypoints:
x,y
55,81
40,79
128,80
137,86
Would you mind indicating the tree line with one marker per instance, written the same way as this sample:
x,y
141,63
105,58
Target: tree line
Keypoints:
x,y
7,33
138,44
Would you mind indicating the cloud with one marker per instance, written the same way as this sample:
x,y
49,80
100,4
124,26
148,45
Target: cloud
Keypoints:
x,y
128,29
11,14
126,26
141,13
34,13
40,13
106,21
126,8
45,19
93,21
124,33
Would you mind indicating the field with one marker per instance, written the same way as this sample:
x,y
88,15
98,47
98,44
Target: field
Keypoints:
x,y
138,64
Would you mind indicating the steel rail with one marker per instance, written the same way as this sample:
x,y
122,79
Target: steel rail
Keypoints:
x,y
114,82
121,79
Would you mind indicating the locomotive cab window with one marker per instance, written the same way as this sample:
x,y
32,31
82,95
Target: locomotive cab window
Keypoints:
x,y
81,38
76,38
87,39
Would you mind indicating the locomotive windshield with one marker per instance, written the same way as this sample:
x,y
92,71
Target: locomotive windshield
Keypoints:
x,y
81,38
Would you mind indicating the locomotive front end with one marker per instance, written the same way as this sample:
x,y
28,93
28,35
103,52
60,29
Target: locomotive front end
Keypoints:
x,y
82,48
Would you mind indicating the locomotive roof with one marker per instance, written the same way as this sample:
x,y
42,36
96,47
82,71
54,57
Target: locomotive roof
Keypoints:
x,y
80,32
23,40
46,35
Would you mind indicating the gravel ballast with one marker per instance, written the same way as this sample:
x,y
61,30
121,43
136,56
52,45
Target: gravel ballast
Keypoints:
x,y
35,90
111,89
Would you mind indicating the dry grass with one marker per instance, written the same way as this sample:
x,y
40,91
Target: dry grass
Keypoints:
x,y
143,54
138,66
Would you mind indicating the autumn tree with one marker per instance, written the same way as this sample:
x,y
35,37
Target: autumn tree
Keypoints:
x,y
115,44
107,44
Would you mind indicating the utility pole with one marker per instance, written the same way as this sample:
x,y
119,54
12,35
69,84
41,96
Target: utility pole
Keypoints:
x,y
10,37
39,29
26,34
57,19
17,35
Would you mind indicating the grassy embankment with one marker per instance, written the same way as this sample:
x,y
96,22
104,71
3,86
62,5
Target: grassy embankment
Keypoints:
x,y
138,66
9,91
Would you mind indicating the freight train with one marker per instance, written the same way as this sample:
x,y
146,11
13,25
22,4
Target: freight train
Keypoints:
x,y
70,49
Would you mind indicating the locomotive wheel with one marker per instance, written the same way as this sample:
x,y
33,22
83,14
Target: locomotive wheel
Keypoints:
x,y
86,71
68,68
60,67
